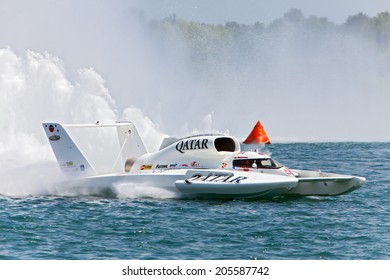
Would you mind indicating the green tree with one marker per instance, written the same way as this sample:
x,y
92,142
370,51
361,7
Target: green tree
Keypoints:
x,y
382,27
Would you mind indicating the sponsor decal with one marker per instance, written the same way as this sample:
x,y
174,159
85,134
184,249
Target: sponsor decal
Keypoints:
x,y
193,144
51,128
184,165
162,166
54,137
216,178
68,166
172,165
287,171
241,155
195,164
146,166
224,165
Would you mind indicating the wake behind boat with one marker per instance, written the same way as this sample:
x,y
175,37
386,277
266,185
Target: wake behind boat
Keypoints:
x,y
196,166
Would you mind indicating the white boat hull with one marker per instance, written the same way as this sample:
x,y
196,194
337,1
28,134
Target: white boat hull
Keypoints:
x,y
195,183
237,184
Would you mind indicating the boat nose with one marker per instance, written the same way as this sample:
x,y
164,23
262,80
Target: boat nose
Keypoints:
x,y
360,181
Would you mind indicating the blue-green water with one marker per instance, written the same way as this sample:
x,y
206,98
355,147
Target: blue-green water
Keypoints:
x,y
353,226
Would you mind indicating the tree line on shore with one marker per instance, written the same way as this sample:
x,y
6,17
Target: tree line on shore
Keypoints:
x,y
208,45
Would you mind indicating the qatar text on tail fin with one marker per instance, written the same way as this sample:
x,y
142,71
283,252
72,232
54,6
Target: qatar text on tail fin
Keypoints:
x,y
69,157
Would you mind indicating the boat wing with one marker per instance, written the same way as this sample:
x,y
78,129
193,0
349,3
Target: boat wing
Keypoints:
x,y
74,160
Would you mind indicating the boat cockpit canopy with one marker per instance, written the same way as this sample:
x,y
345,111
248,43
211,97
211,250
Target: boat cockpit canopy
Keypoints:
x,y
256,163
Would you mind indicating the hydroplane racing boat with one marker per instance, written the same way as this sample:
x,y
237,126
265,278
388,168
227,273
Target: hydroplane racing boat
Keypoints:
x,y
211,166
188,166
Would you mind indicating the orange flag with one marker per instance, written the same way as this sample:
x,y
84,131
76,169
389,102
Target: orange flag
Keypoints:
x,y
257,135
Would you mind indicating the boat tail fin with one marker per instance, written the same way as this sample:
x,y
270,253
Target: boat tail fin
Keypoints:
x,y
167,141
130,142
257,135
69,157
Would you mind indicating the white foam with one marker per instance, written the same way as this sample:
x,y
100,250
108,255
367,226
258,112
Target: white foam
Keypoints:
x,y
132,190
34,89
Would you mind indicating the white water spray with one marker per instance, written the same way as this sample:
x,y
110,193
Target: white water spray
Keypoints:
x,y
34,89
132,190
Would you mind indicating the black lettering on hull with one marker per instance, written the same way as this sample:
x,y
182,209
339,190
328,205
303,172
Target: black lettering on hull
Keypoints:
x,y
238,179
214,178
194,144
